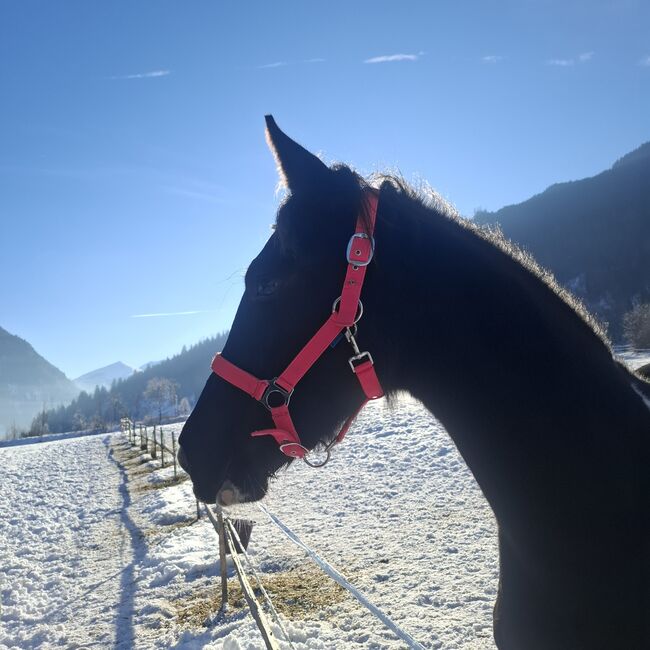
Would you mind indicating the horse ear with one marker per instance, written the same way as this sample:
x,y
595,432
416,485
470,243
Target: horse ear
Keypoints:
x,y
298,168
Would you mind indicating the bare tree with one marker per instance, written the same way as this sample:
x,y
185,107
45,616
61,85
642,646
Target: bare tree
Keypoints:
x,y
184,407
161,392
636,326
14,432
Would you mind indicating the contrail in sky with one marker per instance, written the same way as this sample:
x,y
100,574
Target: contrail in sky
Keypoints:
x,y
143,75
174,313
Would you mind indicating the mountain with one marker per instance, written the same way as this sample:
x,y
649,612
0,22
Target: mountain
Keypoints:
x,y
146,366
188,371
594,234
28,383
104,376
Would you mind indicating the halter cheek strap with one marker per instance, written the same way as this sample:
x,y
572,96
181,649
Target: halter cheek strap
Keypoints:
x,y
275,394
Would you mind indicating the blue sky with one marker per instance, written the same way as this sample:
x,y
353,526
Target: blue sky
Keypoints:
x,y
134,175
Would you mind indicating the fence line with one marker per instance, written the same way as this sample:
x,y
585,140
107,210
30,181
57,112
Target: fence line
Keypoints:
x,y
137,430
341,580
276,616
228,537
256,611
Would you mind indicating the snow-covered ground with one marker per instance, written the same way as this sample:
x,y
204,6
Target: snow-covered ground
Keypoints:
x,y
66,544
94,555
99,548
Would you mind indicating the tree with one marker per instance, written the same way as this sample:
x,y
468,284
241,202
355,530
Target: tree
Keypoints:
x,y
636,326
117,409
14,432
184,407
161,393
126,396
78,421
39,425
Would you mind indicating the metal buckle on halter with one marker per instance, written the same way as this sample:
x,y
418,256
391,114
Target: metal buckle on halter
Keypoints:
x,y
359,314
274,388
360,357
360,235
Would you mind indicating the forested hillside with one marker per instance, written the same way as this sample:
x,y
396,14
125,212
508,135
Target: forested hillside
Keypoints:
x,y
28,383
168,388
594,234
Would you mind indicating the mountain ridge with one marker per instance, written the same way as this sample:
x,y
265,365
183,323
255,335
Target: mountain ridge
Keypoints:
x,y
28,383
188,371
592,233
104,376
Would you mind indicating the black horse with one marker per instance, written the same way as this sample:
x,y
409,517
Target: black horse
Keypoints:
x,y
555,431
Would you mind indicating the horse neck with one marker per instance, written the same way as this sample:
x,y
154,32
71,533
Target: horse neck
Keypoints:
x,y
511,370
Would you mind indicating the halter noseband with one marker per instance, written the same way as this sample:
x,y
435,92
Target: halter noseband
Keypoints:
x,y
275,394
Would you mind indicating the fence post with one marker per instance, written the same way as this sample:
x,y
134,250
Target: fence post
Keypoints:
x,y
222,561
154,453
143,440
162,449
174,453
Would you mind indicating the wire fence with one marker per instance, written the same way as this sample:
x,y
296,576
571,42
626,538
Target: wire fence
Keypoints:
x,y
153,440
163,446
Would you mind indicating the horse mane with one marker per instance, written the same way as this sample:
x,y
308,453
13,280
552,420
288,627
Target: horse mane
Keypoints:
x,y
424,203
424,199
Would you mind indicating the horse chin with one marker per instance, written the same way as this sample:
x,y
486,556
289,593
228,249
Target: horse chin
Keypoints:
x,y
230,494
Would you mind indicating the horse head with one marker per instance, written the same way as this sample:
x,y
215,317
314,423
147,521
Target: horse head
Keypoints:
x,y
290,291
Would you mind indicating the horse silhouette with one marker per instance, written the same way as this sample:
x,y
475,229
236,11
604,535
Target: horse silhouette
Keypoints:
x,y
554,429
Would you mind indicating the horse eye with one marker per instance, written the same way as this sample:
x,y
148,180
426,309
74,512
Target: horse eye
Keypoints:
x,y
267,287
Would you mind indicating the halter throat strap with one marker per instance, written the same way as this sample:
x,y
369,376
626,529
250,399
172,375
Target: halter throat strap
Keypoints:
x,y
275,394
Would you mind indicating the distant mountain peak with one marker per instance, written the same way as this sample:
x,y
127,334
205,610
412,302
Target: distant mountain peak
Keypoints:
x,y
104,376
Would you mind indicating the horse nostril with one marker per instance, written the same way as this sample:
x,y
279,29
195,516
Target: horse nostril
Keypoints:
x,y
182,460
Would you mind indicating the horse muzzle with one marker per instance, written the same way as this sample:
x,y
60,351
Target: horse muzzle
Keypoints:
x,y
229,494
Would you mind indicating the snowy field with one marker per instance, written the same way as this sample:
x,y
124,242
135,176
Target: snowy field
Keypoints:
x,y
100,548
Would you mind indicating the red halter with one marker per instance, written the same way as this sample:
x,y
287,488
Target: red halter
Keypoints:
x,y
275,394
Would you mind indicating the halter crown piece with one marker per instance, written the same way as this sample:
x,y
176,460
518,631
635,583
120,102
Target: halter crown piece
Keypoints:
x,y
275,394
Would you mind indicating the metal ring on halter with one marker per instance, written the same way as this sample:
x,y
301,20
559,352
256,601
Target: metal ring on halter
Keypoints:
x,y
321,464
359,310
